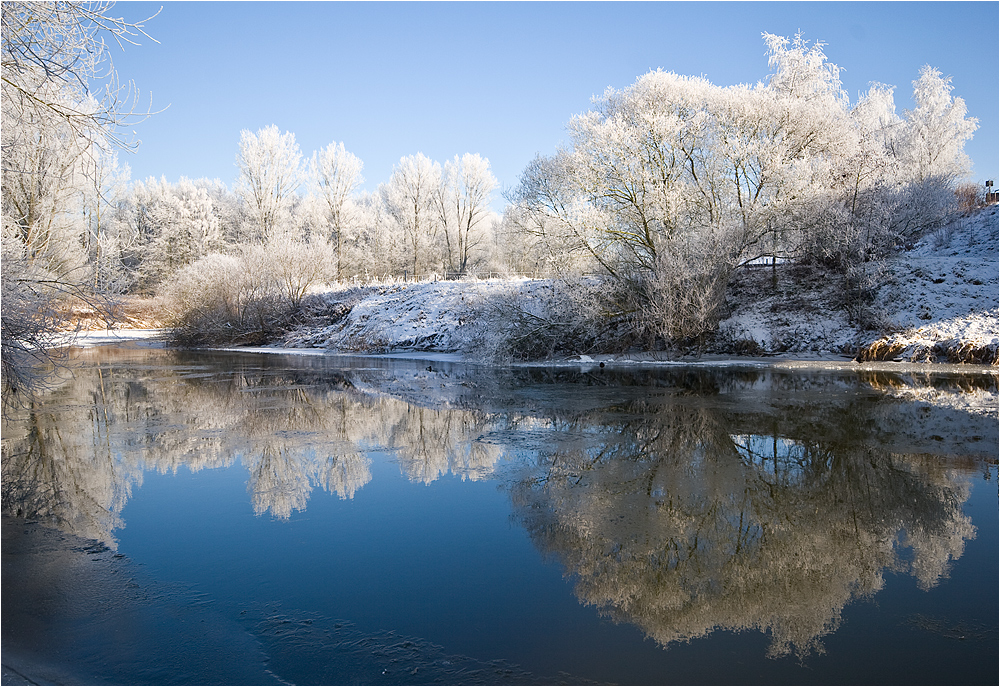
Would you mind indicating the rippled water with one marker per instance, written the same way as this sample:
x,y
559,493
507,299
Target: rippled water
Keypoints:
x,y
329,520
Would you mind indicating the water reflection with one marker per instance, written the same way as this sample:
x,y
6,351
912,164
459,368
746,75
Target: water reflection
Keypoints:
x,y
679,501
669,521
74,458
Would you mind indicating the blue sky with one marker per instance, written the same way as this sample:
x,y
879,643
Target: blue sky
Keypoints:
x,y
499,79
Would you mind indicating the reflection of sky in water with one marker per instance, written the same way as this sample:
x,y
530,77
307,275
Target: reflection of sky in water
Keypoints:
x,y
510,514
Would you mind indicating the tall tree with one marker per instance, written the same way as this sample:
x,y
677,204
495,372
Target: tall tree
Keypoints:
x,y
270,172
937,129
467,184
409,198
335,175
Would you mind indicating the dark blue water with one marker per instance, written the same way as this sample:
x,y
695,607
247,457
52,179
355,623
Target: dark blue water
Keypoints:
x,y
373,521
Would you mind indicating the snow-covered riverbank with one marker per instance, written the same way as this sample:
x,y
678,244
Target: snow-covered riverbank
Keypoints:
x,y
940,304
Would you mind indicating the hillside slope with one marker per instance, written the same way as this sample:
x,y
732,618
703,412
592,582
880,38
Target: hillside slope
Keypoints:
x,y
945,296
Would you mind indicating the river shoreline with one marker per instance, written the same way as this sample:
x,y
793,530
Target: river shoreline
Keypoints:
x,y
799,361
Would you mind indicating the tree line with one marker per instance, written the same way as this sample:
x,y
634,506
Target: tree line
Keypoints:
x,y
426,218
664,190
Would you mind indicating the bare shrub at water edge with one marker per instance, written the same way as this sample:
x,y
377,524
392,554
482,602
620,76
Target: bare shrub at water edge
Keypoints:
x,y
680,303
249,298
35,320
563,317
204,300
676,307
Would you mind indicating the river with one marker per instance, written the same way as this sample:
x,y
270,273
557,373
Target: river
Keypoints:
x,y
202,517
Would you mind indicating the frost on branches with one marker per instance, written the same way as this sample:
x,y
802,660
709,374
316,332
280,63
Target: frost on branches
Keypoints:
x,y
672,184
63,116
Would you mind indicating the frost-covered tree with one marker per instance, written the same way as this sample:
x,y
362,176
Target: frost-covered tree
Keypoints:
x,y
377,249
109,242
61,105
669,185
409,198
546,206
269,163
226,207
174,225
335,175
43,190
936,130
463,203
874,159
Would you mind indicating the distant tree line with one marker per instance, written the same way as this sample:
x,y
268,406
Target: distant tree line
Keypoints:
x,y
427,218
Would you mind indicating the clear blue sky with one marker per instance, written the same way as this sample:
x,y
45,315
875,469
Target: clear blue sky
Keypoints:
x,y
499,79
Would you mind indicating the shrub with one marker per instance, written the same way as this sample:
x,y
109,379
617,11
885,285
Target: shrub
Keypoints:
x,y
538,320
680,303
863,284
248,298
970,197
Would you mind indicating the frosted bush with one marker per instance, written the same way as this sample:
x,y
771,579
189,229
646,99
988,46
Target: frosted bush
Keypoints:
x,y
250,297
526,321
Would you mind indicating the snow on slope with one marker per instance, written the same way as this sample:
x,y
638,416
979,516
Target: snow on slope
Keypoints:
x,y
422,316
800,314
939,302
942,297
946,293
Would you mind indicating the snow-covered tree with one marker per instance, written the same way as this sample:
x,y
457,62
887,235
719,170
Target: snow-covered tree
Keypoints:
x,y
377,249
109,241
409,198
173,225
335,175
463,203
270,172
52,121
670,184
936,130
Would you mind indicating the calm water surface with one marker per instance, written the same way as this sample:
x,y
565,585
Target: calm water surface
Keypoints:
x,y
328,520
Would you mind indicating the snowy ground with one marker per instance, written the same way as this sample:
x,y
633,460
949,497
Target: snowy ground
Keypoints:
x,y
798,315
424,316
947,291
944,293
940,304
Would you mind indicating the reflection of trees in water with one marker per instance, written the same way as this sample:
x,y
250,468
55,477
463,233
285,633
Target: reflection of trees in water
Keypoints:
x,y
680,501
73,458
281,479
61,459
432,443
669,520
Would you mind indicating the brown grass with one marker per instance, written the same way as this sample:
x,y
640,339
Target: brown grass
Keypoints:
x,y
125,312
880,350
968,353
944,351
